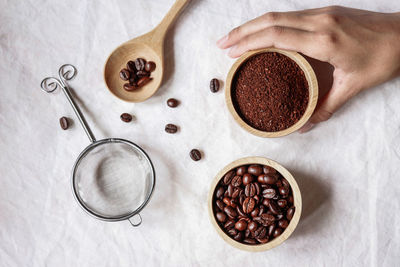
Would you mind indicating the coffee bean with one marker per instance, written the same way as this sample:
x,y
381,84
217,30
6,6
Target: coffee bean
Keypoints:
x,y
220,204
142,73
143,81
228,177
131,66
171,128
266,202
220,216
195,155
236,181
150,66
232,232
214,85
285,183
240,212
238,236
255,212
255,170
140,64
251,241
274,208
247,178
282,203
263,240
172,103
247,233
250,190
267,179
290,213
230,190
260,232
220,192
241,225
236,192
252,226
133,80
230,212
64,123
257,186
284,191
262,209
265,219
229,224
269,170
248,205
241,199
283,223
279,216
278,232
130,87
241,170
227,201
232,203
126,117
269,193
271,230
124,74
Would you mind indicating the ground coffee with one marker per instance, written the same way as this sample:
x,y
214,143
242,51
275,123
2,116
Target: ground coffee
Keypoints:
x,y
270,92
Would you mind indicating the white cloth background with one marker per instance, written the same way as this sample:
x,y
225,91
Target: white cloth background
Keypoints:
x,y
347,168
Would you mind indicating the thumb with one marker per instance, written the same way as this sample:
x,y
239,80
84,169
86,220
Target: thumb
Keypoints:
x,y
339,94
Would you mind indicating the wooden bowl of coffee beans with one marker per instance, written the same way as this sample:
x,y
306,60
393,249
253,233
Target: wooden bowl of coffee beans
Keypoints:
x,y
271,92
254,204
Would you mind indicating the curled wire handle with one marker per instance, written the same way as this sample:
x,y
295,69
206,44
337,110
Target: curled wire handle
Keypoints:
x,y
50,84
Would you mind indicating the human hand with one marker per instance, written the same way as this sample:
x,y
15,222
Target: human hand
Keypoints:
x,y
363,47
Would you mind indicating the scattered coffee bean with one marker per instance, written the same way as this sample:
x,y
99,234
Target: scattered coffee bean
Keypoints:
x,y
171,128
126,117
124,74
172,103
64,123
195,154
150,66
142,73
257,203
214,85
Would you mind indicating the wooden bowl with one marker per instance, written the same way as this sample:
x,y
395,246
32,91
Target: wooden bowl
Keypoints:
x,y
296,197
312,88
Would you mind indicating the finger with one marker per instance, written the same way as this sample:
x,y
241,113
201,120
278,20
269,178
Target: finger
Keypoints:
x,y
284,38
340,93
295,19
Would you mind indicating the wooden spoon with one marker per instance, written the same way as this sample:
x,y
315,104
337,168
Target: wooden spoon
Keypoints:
x,y
149,46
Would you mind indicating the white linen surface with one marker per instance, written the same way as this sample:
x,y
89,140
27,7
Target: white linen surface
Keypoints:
x,y
347,168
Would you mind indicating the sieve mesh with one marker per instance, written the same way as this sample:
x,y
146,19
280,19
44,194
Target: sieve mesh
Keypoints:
x,y
113,179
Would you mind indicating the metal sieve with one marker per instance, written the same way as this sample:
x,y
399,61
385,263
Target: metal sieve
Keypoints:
x,y
112,179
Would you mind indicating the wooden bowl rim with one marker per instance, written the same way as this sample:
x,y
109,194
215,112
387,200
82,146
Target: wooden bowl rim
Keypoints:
x,y
296,196
312,89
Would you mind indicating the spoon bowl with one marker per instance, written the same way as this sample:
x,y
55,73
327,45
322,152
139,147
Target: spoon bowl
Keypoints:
x,y
149,47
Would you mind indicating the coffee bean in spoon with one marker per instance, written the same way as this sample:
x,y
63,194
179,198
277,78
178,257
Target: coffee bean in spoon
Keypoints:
x,y
143,81
126,117
195,154
131,66
140,64
214,85
150,66
172,103
124,74
130,87
64,123
171,128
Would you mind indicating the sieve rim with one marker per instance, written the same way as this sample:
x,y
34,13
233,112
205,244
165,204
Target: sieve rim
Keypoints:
x,y
81,202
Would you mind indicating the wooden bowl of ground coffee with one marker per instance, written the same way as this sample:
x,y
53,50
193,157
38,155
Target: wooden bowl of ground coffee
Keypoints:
x,y
271,92
254,204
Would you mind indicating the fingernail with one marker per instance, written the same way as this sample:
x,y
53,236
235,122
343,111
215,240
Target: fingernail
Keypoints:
x,y
221,41
308,126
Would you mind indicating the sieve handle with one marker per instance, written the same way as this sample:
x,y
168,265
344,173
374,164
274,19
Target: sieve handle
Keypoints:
x,y
135,224
67,72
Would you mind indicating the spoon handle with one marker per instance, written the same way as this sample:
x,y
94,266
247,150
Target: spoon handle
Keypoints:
x,y
162,27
